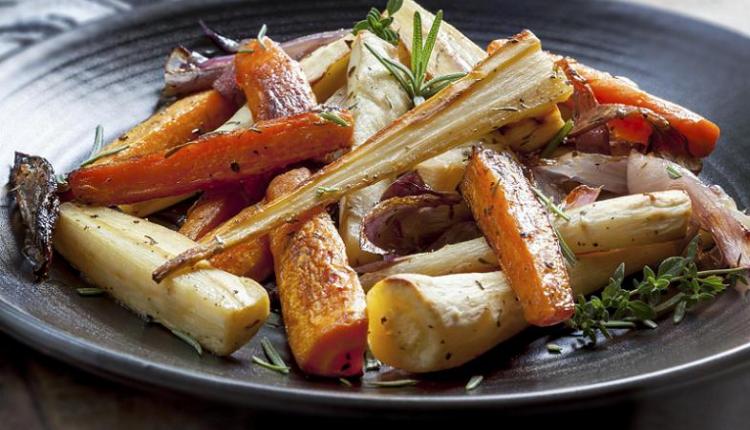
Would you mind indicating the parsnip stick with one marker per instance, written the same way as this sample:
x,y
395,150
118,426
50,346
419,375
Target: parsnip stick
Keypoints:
x,y
637,219
118,252
421,323
476,256
376,99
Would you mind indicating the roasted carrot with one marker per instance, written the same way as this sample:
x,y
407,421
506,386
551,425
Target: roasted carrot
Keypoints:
x,y
631,129
180,122
322,301
212,160
275,87
216,206
701,134
273,83
518,229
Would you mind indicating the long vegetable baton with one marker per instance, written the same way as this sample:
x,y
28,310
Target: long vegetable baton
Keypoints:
x,y
321,299
519,231
117,252
211,160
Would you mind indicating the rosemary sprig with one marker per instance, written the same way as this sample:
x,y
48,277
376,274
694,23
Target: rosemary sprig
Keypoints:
x,y
676,286
96,149
378,24
276,364
551,206
567,253
558,139
413,80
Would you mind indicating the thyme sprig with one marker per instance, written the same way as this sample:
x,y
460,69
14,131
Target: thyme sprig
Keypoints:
x,y
414,80
676,286
380,25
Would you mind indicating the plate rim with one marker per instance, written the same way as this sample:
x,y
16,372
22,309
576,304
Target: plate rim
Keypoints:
x,y
110,363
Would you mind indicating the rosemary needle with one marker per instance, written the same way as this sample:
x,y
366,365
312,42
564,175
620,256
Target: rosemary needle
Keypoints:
x,y
474,382
188,339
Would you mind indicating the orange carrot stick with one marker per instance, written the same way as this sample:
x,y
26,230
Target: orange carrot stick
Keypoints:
x,y
275,87
212,160
517,228
701,133
180,122
273,83
321,298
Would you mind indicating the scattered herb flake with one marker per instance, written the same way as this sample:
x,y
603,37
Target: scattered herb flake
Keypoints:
x,y
558,139
89,291
554,348
673,172
392,384
333,116
474,382
189,340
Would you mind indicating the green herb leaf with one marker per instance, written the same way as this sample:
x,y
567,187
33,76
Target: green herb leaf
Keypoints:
x,y
345,382
558,139
551,206
333,116
101,155
393,6
272,354
413,79
263,363
90,291
474,382
188,339
677,285
378,24
554,348
392,384
322,191
261,35
673,172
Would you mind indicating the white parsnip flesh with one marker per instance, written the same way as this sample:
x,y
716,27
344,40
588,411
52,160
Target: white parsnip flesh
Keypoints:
x,y
615,223
375,99
117,252
637,219
422,323
456,53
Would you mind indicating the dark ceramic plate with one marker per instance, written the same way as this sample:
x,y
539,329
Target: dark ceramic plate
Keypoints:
x,y
109,73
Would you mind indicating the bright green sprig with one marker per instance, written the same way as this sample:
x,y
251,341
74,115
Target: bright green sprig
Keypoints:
x,y
380,25
676,286
414,80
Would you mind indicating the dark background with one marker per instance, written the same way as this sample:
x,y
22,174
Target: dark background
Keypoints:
x,y
37,392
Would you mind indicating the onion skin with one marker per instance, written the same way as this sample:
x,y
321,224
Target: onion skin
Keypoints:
x,y
594,170
648,173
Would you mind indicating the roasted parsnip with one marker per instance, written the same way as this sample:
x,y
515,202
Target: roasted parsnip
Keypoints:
x,y
610,220
487,98
637,219
455,53
321,299
518,229
376,99
421,323
117,252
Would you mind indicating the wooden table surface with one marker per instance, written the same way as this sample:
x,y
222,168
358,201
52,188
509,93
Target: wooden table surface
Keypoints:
x,y
37,392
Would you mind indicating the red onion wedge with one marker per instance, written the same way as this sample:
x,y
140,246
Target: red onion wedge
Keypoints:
x,y
581,195
405,225
710,209
188,71
594,170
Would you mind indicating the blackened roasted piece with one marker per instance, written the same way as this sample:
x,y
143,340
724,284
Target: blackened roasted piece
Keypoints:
x,y
34,187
